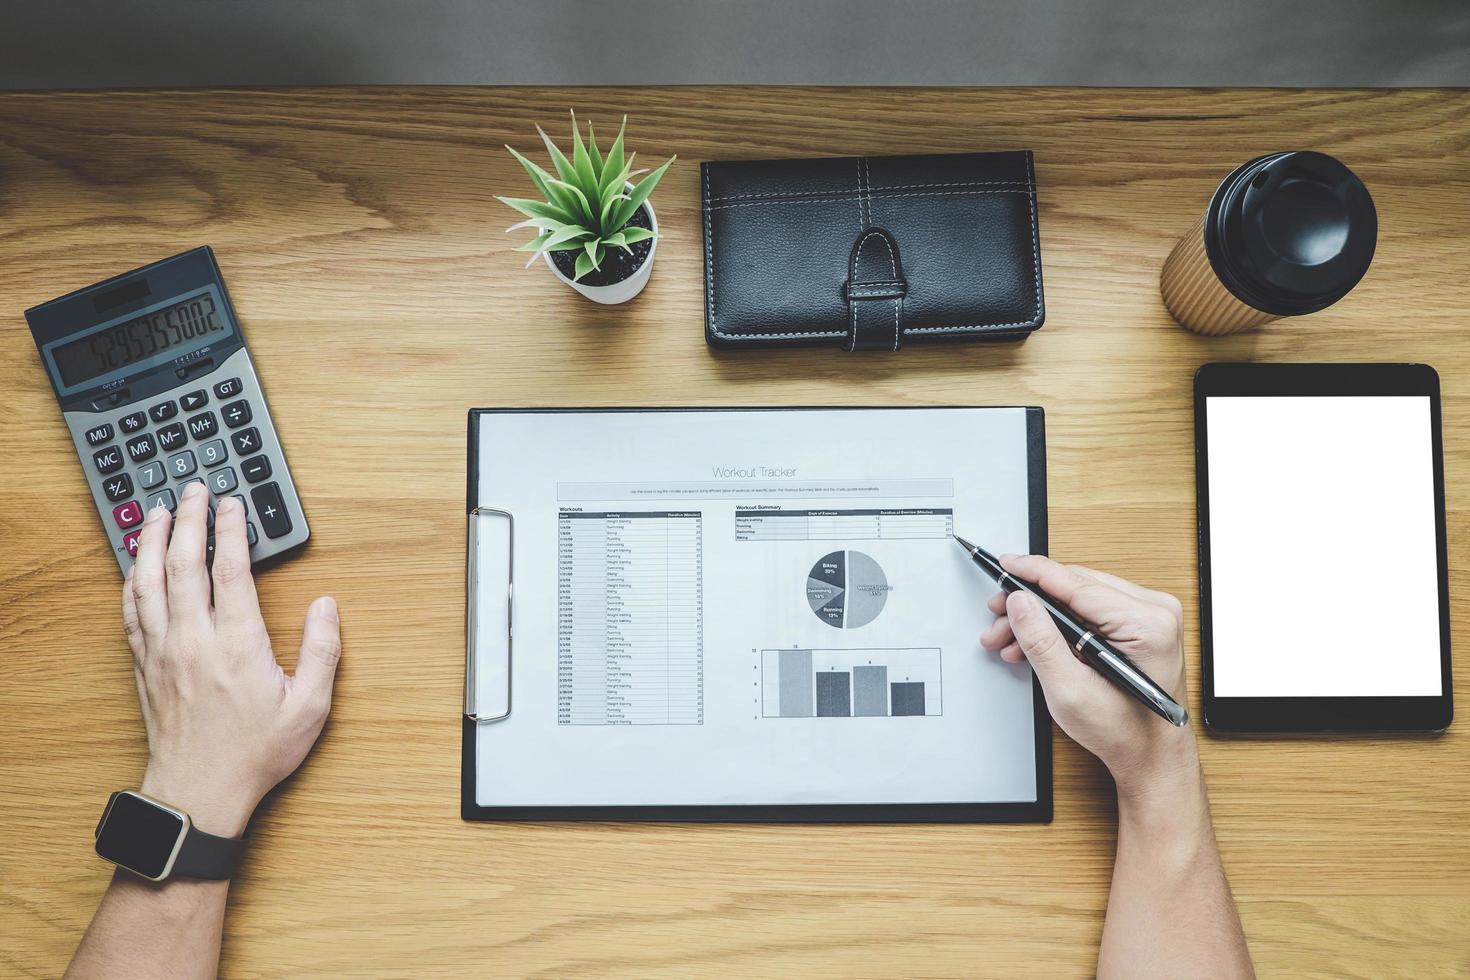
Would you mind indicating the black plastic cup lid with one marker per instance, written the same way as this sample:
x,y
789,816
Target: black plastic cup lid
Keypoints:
x,y
1291,233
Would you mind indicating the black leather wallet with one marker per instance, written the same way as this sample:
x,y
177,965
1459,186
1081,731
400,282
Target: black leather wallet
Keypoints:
x,y
871,252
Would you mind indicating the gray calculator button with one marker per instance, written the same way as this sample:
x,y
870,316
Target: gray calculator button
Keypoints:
x,y
151,474
244,507
182,465
213,453
250,536
223,481
163,498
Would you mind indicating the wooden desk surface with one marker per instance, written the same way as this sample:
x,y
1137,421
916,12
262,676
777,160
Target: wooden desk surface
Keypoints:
x,y
360,240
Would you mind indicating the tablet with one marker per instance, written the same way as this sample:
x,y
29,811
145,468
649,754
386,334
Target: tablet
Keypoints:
x,y
1324,594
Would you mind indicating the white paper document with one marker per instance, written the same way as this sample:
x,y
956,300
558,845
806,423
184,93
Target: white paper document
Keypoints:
x,y
753,607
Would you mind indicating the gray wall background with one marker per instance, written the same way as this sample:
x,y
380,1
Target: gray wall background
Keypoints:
x,y
116,43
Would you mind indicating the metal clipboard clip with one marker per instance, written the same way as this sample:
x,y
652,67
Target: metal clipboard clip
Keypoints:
x,y
472,592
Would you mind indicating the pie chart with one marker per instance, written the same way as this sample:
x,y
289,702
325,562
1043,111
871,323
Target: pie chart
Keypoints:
x,y
846,589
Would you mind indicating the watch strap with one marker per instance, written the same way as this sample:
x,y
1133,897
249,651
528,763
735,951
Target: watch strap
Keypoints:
x,y
207,856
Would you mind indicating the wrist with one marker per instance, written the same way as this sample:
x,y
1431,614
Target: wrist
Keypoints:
x,y
1166,812
1163,777
221,812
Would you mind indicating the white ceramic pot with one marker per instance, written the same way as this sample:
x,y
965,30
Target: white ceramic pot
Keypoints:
x,y
618,292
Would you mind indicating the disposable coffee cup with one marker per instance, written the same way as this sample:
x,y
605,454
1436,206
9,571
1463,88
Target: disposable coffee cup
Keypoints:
x,y
1284,235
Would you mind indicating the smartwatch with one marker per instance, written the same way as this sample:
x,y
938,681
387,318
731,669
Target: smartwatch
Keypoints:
x,y
156,841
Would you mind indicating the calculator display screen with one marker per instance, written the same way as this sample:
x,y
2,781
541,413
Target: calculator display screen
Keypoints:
x,y
160,335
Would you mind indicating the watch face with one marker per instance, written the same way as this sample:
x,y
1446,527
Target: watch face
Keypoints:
x,y
139,835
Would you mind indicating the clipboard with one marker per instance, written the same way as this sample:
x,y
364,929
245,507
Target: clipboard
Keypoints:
x,y
475,715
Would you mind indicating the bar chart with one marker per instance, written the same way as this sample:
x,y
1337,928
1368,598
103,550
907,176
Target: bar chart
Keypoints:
x,y
866,683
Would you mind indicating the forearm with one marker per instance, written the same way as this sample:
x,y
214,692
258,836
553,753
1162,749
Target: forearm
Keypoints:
x,y
143,929
172,929
1170,912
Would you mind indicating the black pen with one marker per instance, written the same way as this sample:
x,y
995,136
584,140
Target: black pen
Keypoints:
x,y
1087,645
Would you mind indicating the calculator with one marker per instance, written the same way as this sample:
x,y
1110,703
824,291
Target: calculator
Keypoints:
x,y
157,387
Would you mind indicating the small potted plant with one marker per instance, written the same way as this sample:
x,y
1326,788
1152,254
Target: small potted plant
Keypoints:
x,y
594,227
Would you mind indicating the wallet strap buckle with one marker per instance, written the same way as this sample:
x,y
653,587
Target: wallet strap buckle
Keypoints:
x,y
875,291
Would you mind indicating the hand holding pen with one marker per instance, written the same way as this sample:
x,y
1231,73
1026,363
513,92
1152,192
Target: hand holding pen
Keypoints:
x,y
1143,625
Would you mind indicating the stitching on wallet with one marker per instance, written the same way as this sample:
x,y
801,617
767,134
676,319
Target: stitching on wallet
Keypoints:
x,y
862,218
852,273
867,187
709,257
886,244
891,187
880,194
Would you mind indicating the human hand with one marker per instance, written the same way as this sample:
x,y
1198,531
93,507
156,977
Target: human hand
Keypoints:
x,y
225,724
1136,745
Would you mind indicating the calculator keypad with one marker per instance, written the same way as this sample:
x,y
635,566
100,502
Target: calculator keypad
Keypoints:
x,y
219,435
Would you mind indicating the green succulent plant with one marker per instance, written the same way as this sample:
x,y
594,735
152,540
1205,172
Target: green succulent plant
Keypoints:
x,y
586,205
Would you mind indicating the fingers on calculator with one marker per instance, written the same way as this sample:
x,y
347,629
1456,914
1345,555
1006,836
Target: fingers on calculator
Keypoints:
x,y
188,582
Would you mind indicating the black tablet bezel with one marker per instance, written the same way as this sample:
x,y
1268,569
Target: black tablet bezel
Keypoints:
x,y
1297,714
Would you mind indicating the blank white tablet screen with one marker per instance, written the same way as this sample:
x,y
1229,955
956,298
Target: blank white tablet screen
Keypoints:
x,y
1323,567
